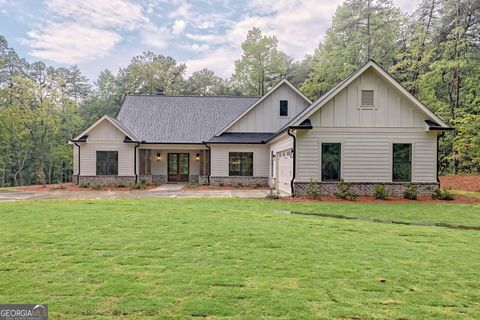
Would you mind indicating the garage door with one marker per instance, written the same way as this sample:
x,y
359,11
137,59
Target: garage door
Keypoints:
x,y
284,170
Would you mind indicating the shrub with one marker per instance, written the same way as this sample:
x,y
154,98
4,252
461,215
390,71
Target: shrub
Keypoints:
x,y
96,186
84,185
120,184
381,192
273,194
442,194
139,185
61,187
221,184
255,185
313,190
410,192
193,185
344,191
238,185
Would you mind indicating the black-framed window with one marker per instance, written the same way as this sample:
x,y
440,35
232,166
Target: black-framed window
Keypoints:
x,y
402,162
240,163
283,108
331,161
107,163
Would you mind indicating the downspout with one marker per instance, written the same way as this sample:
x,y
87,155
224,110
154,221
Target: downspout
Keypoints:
x,y
78,173
209,161
137,144
292,185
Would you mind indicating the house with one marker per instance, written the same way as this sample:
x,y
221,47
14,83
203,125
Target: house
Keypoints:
x,y
367,130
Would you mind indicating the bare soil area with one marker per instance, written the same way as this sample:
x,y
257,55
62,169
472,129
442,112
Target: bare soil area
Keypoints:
x,y
465,183
74,187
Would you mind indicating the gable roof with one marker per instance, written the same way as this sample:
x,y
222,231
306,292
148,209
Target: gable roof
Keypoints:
x,y
180,119
284,81
128,133
320,102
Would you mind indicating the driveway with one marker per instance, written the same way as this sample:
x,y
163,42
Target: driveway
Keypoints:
x,y
164,191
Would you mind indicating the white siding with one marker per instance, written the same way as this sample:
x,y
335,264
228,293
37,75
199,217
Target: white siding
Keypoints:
x,y
366,153
265,117
391,109
105,137
261,158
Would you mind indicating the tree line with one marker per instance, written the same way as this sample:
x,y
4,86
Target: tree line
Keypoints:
x,y
434,53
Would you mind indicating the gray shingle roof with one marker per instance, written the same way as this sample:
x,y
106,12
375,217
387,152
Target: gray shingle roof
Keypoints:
x,y
242,137
180,119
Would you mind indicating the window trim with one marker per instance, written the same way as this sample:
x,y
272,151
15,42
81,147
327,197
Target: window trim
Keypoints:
x,y
241,164
96,163
339,162
280,109
410,173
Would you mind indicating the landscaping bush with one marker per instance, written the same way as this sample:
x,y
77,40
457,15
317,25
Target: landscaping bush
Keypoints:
x,y
381,192
238,185
96,186
193,185
84,185
273,194
410,192
221,184
255,185
344,191
120,184
139,185
313,190
442,194
58,188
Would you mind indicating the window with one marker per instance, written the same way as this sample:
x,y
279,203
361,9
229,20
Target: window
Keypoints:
x,y
402,162
331,161
107,163
367,98
283,108
240,163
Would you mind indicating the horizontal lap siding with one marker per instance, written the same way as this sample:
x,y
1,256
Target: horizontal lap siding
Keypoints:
x,y
261,159
366,156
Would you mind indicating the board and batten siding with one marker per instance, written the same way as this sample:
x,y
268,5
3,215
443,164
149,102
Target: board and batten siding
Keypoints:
x,y
104,137
265,117
367,134
219,158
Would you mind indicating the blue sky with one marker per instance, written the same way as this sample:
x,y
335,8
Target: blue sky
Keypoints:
x,y
97,34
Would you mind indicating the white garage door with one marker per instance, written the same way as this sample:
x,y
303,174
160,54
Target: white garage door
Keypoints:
x,y
284,170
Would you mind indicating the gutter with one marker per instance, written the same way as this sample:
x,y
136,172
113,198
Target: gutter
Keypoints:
x,y
292,185
78,174
209,161
137,144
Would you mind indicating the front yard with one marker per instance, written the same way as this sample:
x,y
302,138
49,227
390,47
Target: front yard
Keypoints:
x,y
239,259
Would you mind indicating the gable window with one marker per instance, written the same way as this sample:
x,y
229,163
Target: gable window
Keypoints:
x,y
240,164
283,108
367,98
402,162
107,163
331,161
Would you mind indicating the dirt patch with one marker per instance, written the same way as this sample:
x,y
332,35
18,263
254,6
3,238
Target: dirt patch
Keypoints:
x,y
465,183
370,199
73,187
225,187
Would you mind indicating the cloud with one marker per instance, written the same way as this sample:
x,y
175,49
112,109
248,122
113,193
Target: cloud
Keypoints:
x,y
70,43
219,60
196,47
178,27
154,36
101,14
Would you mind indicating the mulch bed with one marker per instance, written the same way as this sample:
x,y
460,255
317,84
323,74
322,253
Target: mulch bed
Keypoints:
x,y
73,187
465,183
225,187
369,199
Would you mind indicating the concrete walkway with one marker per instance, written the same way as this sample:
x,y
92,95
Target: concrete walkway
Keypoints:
x,y
164,191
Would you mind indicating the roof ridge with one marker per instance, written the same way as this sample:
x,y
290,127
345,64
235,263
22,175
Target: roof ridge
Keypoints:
x,y
188,96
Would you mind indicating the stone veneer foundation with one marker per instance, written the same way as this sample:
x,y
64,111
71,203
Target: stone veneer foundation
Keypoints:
x,y
246,181
154,179
366,188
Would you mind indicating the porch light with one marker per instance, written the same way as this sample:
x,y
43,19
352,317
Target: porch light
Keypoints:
x,y
198,156
159,156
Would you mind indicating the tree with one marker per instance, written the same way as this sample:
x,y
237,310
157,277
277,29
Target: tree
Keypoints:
x,y
361,30
148,73
205,83
261,65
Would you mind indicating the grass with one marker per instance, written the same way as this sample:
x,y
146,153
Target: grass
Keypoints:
x,y
238,259
467,193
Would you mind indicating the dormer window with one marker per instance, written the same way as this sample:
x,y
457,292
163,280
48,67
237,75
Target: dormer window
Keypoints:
x,y
283,108
367,98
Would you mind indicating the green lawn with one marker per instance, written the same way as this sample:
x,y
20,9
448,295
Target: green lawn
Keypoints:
x,y
238,259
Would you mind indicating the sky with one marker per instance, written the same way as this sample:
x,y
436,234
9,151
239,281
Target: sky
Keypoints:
x,y
96,35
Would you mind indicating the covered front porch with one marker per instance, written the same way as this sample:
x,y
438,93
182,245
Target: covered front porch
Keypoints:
x,y
173,163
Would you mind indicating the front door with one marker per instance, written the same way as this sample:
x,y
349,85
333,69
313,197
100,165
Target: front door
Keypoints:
x,y
178,167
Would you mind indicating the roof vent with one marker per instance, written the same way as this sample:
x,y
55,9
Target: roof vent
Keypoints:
x,y
160,92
